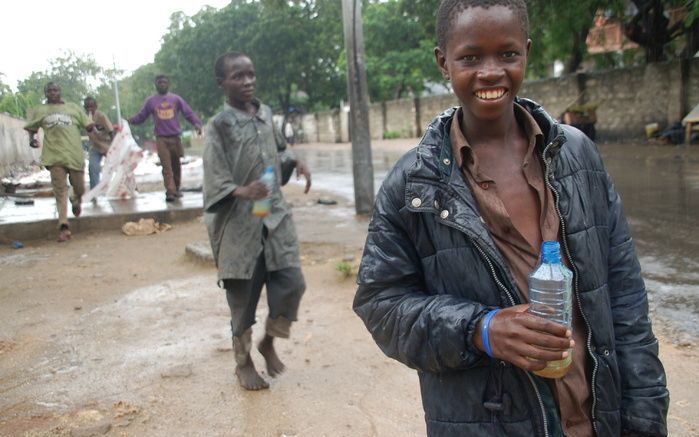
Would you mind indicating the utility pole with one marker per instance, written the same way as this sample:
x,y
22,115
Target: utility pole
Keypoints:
x,y
362,167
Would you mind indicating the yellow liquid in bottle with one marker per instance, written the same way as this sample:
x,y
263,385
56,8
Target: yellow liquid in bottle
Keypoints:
x,y
556,369
261,208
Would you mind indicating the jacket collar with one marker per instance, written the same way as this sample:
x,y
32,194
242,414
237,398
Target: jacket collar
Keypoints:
x,y
434,183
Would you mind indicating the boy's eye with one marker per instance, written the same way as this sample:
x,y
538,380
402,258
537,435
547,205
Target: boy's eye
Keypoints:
x,y
509,55
470,58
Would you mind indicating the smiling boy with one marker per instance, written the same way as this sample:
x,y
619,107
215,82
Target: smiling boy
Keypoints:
x,y
455,231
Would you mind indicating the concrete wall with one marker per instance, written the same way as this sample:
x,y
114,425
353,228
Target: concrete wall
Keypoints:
x,y
693,83
432,106
343,115
376,120
309,129
14,146
628,99
555,94
328,126
400,118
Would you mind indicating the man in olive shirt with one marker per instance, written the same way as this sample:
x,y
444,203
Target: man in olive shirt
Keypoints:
x,y
62,152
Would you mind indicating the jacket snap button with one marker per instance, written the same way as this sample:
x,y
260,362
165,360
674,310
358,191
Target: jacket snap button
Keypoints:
x,y
444,214
416,202
446,161
606,352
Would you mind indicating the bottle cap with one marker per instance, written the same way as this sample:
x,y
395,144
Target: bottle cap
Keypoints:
x,y
551,252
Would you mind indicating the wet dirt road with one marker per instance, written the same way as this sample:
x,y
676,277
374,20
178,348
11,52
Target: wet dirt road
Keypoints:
x,y
124,336
659,186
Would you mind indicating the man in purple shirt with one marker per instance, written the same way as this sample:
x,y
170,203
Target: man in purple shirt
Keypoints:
x,y
164,107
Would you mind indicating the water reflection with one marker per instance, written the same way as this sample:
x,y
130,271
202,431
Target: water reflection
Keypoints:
x,y
659,186
332,169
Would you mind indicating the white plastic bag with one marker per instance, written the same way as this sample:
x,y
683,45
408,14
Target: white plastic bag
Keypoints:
x,y
118,180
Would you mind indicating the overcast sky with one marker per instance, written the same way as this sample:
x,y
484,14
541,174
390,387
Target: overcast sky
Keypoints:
x,y
128,31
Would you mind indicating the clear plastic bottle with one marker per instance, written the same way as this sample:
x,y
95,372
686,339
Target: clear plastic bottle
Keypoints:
x,y
550,297
261,207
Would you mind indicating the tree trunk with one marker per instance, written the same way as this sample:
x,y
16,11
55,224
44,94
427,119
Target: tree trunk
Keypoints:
x,y
577,51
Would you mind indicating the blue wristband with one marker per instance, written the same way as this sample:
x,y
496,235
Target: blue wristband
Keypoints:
x,y
485,336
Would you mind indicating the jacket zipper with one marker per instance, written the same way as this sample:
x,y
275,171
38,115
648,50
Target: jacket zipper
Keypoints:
x,y
512,303
575,285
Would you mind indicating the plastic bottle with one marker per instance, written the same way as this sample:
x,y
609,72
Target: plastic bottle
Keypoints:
x,y
261,207
550,297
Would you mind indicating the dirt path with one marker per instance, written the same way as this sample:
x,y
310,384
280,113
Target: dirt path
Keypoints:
x,y
129,337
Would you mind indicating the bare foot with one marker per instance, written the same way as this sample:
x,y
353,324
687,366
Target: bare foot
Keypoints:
x,y
274,364
248,376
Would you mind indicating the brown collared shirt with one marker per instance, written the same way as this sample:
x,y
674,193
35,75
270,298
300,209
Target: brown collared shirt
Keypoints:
x,y
521,254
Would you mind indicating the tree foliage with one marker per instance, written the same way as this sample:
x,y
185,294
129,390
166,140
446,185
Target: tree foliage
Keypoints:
x,y
399,52
77,76
298,50
293,45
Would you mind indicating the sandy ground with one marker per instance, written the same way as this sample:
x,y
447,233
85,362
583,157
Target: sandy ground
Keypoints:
x,y
127,336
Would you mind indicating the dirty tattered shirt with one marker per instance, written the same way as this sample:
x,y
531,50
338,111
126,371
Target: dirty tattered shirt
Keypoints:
x,y
237,148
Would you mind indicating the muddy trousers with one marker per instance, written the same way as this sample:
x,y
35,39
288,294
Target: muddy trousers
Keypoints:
x,y
60,189
284,290
170,151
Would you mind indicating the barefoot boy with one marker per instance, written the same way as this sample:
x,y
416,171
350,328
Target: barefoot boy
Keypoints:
x,y
250,252
456,229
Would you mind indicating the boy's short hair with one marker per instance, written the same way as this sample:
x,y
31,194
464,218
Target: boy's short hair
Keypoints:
x,y
48,84
89,99
161,76
449,9
220,64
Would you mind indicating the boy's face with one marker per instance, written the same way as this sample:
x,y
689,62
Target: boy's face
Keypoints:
x,y
239,82
485,60
53,94
162,85
91,106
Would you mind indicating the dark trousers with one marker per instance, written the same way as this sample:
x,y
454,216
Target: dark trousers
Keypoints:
x,y
170,151
284,290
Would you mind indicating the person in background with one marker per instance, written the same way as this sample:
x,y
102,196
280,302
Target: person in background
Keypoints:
x,y
455,231
165,107
250,251
100,139
62,152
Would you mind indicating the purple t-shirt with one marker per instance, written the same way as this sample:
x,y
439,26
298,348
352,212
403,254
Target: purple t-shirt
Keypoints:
x,y
164,109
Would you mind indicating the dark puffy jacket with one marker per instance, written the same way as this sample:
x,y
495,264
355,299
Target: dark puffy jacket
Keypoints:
x,y
430,270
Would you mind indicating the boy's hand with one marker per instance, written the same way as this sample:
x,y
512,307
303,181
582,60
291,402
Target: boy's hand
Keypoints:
x,y
255,190
302,170
525,340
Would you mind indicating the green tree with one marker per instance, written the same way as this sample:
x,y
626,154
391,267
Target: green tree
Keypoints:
x,y
17,104
133,91
399,52
77,76
560,32
290,43
4,88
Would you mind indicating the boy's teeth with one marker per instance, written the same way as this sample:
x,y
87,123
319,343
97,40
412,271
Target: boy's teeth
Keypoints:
x,y
490,94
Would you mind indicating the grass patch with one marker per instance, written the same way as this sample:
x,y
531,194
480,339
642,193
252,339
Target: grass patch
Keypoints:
x,y
345,269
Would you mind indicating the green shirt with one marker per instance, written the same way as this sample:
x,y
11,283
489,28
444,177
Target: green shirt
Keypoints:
x,y
61,124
